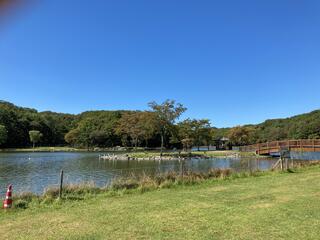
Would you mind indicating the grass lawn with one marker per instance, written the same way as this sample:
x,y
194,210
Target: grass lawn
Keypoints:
x,y
273,206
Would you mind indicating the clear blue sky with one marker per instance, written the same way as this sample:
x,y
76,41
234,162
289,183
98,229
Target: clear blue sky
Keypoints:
x,y
233,62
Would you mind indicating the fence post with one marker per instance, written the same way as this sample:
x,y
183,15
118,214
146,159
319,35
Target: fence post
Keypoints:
x,y
181,168
313,144
61,183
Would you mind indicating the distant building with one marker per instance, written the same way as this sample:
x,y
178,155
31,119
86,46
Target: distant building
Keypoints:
x,y
223,144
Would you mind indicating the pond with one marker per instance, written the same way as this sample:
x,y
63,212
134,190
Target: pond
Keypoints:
x,y
33,172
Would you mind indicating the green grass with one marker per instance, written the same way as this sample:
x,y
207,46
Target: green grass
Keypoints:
x,y
271,206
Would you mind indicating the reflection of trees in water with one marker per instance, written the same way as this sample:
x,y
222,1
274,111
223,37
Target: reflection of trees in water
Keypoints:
x,y
245,164
305,155
238,164
42,169
234,163
202,165
28,172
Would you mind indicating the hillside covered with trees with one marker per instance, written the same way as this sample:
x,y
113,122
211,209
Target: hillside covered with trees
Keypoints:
x,y
157,127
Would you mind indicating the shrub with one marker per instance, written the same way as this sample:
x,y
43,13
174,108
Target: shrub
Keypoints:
x,y
23,204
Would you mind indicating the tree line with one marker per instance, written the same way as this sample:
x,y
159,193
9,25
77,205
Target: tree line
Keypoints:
x,y
159,126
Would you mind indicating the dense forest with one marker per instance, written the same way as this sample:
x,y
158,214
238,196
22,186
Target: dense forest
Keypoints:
x,y
159,126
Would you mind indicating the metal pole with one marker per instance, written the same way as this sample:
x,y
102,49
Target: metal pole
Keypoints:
x,y
61,183
182,167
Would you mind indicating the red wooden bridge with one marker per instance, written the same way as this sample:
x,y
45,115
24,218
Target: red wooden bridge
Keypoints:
x,y
302,145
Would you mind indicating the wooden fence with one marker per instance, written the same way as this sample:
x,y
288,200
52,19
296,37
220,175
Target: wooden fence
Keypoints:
x,y
302,145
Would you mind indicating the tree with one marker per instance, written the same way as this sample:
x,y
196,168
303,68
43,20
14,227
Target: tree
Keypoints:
x,y
96,128
241,135
98,138
194,132
148,125
84,130
35,136
129,125
186,134
206,135
71,137
3,134
166,113
201,130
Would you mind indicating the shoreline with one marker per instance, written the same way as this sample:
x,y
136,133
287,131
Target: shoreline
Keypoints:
x,y
154,182
139,154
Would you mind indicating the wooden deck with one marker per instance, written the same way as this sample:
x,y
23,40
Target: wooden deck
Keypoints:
x,y
302,145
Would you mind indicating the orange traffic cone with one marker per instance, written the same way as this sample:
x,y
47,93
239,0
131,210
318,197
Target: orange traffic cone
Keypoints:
x,y
7,203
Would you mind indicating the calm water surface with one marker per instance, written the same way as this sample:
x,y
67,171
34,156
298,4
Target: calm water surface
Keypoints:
x,y
36,171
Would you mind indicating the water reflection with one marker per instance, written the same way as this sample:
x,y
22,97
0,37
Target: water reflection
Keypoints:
x,y
36,171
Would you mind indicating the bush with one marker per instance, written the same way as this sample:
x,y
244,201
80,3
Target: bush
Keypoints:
x,y
22,204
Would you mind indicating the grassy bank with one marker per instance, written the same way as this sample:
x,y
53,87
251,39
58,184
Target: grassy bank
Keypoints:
x,y
44,149
270,206
139,153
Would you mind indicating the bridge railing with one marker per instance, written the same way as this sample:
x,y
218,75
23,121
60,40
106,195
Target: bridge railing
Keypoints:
x,y
302,144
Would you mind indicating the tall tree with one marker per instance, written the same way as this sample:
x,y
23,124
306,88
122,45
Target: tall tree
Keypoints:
x,y
241,135
96,128
148,125
167,113
195,132
35,137
201,130
186,134
3,134
71,137
129,125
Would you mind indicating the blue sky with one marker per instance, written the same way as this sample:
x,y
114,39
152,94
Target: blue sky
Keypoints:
x,y
233,62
